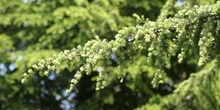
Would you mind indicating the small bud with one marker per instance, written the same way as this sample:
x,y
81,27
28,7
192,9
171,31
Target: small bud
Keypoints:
x,y
66,52
68,91
121,81
23,80
35,66
78,75
97,37
56,62
180,60
103,83
161,82
114,49
147,39
30,71
155,53
25,75
71,85
42,61
53,67
121,31
73,81
98,84
97,88
49,67
70,57
46,72
102,87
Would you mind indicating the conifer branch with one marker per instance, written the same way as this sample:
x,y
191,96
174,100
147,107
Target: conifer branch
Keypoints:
x,y
161,39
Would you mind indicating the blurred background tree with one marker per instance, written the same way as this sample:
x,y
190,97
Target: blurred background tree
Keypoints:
x,y
31,30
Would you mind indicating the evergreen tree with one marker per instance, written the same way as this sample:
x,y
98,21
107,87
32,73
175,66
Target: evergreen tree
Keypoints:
x,y
166,59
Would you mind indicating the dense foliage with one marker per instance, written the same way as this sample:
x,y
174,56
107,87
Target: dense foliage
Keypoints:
x,y
164,54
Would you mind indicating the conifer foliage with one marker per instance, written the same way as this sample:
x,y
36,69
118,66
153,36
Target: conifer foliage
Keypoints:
x,y
171,62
